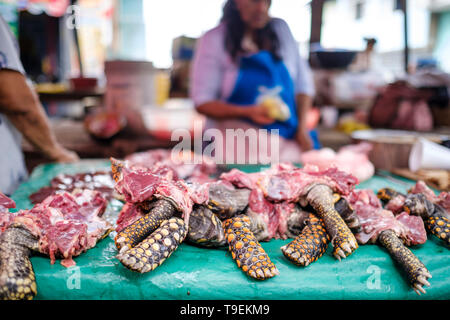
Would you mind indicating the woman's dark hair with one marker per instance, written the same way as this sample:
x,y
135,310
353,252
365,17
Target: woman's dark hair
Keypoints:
x,y
266,38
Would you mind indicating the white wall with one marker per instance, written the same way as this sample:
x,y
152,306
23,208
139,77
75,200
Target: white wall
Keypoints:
x,y
168,19
379,20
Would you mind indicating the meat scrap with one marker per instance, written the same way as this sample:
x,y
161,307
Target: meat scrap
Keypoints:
x,y
99,180
185,164
374,219
5,216
65,224
443,199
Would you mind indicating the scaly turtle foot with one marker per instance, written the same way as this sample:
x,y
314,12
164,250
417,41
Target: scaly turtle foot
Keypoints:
x,y
246,250
320,197
156,248
17,280
309,245
415,270
130,236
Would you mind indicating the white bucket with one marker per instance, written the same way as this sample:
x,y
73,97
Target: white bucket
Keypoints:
x,y
429,155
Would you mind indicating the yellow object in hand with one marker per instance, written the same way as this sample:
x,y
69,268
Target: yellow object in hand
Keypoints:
x,y
276,109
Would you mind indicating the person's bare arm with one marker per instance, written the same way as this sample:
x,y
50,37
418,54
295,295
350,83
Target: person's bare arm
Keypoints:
x,y
304,103
22,107
222,110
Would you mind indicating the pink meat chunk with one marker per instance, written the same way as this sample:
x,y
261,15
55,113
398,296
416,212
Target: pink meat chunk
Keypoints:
x,y
396,204
421,187
66,224
374,219
352,159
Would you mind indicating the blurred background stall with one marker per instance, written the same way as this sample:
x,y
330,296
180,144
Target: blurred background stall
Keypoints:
x,y
113,75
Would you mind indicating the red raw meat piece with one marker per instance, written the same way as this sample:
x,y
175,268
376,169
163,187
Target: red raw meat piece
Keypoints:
x,y
374,219
396,204
141,184
66,224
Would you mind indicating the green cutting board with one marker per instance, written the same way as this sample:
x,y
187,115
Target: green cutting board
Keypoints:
x,y
198,273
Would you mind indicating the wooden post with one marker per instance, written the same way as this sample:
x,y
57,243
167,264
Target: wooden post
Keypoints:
x,y
405,34
316,22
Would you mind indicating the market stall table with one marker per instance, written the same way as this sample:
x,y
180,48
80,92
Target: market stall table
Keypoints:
x,y
199,273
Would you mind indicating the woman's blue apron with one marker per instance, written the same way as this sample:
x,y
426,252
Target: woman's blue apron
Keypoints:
x,y
262,70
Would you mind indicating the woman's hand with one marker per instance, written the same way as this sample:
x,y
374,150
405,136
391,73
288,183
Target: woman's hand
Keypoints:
x,y
259,115
304,140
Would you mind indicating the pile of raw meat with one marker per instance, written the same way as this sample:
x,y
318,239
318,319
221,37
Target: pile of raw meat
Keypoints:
x,y
65,224
374,219
351,159
275,192
99,181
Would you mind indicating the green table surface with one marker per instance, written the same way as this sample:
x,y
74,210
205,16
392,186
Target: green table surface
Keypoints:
x,y
198,273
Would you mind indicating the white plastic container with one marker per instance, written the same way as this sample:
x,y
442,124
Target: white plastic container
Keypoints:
x,y
429,155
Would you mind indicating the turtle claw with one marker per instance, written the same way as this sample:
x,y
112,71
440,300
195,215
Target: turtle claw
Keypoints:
x,y
339,254
418,288
422,280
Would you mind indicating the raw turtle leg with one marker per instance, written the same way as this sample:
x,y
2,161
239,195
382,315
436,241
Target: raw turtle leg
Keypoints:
x,y
17,280
347,213
415,270
205,228
143,227
309,245
440,227
386,194
246,250
156,248
320,197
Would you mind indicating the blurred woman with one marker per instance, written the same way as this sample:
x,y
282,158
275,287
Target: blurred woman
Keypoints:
x,y
247,63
